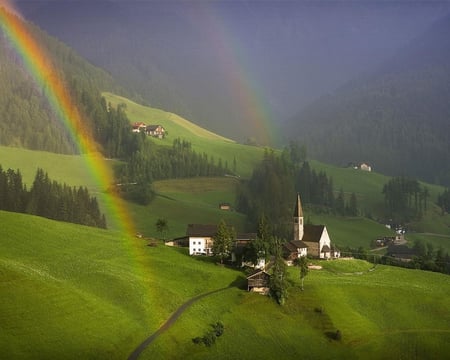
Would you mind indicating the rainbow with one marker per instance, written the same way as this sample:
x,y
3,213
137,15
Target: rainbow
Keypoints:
x,y
40,67
242,85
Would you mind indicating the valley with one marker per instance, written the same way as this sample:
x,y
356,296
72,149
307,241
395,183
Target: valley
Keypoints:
x,y
366,153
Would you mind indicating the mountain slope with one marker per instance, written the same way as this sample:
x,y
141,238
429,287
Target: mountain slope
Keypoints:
x,y
230,65
397,119
28,119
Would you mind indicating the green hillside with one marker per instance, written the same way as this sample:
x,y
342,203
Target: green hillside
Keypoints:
x,y
203,141
70,291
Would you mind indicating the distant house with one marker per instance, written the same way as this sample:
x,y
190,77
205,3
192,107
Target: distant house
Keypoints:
x,y
259,281
365,167
156,131
225,206
309,240
139,127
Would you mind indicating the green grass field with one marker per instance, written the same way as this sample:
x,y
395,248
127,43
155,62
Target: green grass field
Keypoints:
x,y
70,291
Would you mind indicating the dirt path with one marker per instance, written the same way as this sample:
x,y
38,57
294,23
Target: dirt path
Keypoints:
x,y
135,354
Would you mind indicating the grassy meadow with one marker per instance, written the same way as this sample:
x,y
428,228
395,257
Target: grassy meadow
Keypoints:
x,y
71,291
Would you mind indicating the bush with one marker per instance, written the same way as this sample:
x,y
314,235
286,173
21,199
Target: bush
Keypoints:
x,y
218,328
209,338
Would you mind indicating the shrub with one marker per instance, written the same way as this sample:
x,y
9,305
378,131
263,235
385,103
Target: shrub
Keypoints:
x,y
209,338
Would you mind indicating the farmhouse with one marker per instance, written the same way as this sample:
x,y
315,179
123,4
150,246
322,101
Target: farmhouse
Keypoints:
x,y
201,238
365,167
138,127
309,240
156,131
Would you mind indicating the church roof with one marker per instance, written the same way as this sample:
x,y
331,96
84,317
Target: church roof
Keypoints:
x,y
299,244
313,233
325,248
298,211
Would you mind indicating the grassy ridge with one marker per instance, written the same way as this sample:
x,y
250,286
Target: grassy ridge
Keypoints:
x,y
70,291
202,140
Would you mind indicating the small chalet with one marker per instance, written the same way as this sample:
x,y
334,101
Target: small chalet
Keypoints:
x,y
139,127
311,240
156,131
259,281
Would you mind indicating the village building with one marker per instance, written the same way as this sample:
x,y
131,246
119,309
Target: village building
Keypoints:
x,y
156,131
259,281
138,127
201,238
309,240
365,167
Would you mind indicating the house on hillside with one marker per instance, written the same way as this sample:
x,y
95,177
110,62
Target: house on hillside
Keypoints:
x,y
138,127
225,206
201,238
259,281
156,131
365,167
309,240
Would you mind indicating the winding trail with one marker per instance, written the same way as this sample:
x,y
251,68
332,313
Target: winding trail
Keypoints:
x,y
135,354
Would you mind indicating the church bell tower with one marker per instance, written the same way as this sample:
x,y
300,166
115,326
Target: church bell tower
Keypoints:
x,y
298,220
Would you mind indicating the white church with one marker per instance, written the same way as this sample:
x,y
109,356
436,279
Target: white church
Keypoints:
x,y
309,240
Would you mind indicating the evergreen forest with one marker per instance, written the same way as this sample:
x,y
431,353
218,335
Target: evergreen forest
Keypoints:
x,y
49,199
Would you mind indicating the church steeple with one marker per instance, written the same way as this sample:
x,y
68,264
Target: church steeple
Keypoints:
x,y
298,220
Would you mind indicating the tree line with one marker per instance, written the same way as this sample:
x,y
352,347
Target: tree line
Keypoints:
x,y
270,191
425,257
405,199
49,199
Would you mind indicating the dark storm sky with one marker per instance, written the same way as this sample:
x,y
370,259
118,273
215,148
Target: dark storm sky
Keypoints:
x,y
289,52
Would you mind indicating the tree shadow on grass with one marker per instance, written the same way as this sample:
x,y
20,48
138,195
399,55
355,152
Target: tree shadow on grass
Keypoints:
x,y
240,282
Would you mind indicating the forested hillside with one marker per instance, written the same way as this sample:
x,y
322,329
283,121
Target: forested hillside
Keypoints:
x,y
27,118
397,119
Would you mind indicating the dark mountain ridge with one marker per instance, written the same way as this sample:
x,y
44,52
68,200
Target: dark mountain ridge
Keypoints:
x,y
397,118
217,63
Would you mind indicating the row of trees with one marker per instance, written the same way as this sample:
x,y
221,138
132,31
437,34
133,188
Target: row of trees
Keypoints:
x,y
269,191
49,199
426,257
405,199
151,162
444,201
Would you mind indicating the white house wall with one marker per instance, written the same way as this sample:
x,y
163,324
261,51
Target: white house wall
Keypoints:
x,y
324,240
198,246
